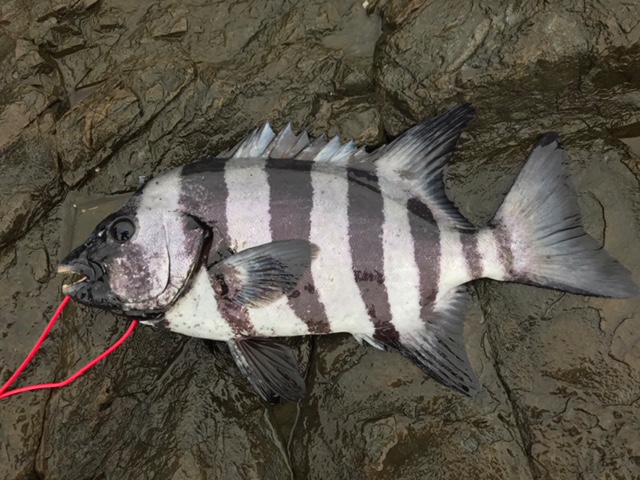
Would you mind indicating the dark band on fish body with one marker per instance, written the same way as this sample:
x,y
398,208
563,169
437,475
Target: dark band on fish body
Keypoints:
x,y
366,224
237,317
418,208
291,201
503,240
289,164
427,251
204,191
471,253
205,165
364,178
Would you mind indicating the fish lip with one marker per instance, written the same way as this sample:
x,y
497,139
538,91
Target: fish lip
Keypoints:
x,y
72,288
90,271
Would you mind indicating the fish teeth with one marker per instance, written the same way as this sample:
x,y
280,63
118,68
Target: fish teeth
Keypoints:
x,y
68,288
65,269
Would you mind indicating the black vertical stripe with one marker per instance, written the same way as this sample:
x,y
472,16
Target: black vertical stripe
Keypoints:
x,y
427,251
204,194
291,203
366,223
471,253
237,317
503,240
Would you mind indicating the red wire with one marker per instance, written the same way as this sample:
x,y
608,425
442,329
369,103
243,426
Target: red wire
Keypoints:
x,y
36,347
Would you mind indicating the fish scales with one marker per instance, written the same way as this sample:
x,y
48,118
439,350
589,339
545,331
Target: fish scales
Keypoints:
x,y
248,212
290,216
408,263
332,271
366,238
349,226
472,255
401,266
431,240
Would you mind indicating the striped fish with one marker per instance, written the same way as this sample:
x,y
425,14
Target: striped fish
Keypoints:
x,y
283,236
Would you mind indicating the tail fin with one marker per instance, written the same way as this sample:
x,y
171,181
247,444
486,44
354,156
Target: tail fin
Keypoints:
x,y
540,236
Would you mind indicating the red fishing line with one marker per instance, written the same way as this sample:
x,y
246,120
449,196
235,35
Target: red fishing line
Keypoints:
x,y
36,347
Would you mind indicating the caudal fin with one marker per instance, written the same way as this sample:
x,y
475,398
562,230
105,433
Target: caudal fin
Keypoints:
x,y
539,233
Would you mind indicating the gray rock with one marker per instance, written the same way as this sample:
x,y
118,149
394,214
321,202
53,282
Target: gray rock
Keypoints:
x,y
96,94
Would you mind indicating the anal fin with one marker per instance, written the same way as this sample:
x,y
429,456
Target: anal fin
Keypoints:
x,y
270,366
363,340
438,348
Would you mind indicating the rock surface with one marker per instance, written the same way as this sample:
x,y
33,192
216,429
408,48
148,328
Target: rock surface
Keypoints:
x,y
95,94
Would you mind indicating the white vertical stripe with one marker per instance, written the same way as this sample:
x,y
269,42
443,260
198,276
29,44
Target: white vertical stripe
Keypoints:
x,y
248,219
249,225
162,237
490,255
453,264
277,320
333,267
401,271
196,314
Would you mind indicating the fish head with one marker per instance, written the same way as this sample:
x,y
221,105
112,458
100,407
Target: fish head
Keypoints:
x,y
137,261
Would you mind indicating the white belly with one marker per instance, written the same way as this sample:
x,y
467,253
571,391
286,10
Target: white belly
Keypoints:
x,y
196,313
277,320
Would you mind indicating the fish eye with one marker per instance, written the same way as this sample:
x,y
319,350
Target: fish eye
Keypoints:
x,y
122,230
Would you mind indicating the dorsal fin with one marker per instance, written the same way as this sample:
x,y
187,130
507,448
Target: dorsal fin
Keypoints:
x,y
287,144
263,143
252,146
417,159
313,148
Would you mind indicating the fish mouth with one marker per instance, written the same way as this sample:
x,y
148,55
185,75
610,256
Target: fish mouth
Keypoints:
x,y
84,274
71,288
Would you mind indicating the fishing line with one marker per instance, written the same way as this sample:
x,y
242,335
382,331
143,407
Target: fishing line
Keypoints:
x,y
40,386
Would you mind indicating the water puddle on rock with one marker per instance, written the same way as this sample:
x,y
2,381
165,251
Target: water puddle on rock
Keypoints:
x,y
634,144
630,135
82,213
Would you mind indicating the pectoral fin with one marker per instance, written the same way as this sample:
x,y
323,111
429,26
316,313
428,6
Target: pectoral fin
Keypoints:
x,y
270,366
259,275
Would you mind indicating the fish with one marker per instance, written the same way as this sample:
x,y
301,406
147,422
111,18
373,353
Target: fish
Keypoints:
x,y
285,236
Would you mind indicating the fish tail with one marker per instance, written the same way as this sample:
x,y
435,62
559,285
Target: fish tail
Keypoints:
x,y
537,235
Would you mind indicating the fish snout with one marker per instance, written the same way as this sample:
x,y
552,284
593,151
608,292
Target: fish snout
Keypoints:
x,y
85,270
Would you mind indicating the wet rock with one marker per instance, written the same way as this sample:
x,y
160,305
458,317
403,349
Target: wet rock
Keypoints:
x,y
399,424
103,121
29,175
16,117
97,94
7,257
93,130
26,304
567,398
474,44
39,263
64,40
171,23
182,415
